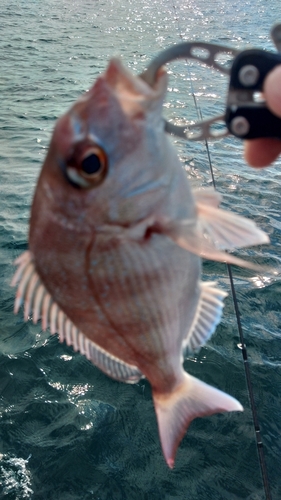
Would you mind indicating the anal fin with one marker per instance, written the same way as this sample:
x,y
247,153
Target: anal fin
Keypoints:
x,y
207,317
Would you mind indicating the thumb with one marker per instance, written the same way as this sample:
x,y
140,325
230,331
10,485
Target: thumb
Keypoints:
x,y
272,90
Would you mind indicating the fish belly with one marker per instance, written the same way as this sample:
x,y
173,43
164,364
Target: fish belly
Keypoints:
x,y
148,291
136,299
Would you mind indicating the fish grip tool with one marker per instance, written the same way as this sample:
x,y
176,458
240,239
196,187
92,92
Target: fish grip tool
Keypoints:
x,y
246,114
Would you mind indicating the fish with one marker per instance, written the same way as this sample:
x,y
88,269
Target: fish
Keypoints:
x,y
116,240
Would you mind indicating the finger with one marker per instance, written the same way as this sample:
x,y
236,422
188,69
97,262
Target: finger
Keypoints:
x,y
262,152
272,90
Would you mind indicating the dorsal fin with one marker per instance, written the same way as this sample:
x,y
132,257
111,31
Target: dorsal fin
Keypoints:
x,y
207,316
32,292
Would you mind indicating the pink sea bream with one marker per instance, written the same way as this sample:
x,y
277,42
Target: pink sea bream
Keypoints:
x,y
115,246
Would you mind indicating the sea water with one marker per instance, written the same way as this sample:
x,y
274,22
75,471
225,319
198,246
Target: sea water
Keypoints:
x,y
68,431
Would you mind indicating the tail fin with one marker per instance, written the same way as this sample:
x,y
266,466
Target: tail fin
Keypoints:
x,y
176,410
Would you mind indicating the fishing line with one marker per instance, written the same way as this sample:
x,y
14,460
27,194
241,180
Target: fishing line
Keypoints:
x,y
200,117
243,347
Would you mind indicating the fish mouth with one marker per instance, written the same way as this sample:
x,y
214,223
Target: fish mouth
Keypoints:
x,y
33,294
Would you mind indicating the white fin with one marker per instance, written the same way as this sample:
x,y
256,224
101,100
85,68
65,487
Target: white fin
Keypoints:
x,y
37,303
227,230
215,230
191,399
32,292
207,317
207,196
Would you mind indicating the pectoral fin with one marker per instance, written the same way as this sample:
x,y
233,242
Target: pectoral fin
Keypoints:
x,y
215,230
225,229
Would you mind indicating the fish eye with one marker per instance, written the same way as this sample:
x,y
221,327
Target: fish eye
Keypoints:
x,y
88,170
93,165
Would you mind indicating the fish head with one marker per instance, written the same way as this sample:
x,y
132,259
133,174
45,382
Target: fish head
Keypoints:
x,y
106,162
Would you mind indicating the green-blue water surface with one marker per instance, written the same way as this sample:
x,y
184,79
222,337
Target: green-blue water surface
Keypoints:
x,y
67,431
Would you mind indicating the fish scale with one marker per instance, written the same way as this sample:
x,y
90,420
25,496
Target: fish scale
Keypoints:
x,y
155,298
131,258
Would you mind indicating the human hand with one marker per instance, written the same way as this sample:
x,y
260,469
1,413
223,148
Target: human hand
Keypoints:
x,y
262,152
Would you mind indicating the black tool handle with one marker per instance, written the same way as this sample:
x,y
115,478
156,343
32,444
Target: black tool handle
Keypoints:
x,y
261,122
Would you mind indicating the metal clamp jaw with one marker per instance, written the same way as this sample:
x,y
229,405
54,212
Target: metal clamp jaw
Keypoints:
x,y
247,115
